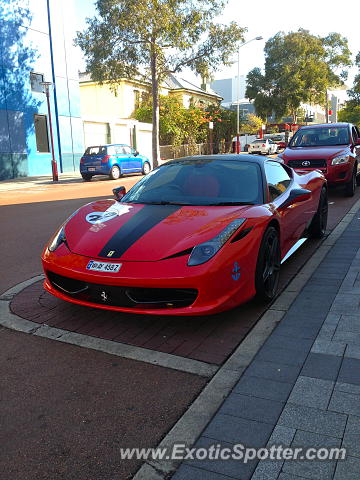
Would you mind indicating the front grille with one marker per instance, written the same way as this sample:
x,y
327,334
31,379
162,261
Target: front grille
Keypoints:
x,y
119,296
314,163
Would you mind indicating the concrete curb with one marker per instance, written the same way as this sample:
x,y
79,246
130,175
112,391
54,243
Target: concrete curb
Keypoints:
x,y
166,360
189,427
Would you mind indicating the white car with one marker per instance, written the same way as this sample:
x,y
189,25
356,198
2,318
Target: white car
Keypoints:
x,y
263,146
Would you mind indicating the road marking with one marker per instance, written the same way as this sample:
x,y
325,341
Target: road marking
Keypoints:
x,y
166,360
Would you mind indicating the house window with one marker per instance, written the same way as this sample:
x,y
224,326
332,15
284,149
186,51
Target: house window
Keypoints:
x,y
35,81
136,99
41,133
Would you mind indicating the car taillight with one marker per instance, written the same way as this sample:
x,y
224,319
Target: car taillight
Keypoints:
x,y
263,145
105,159
82,160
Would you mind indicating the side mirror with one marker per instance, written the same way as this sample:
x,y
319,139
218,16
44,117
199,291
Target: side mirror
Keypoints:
x,y
119,192
136,153
296,196
357,142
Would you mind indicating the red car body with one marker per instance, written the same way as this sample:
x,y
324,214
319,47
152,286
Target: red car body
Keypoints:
x,y
156,242
321,157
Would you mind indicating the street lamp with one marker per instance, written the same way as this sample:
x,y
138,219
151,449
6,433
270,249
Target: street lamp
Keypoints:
x,y
54,169
238,95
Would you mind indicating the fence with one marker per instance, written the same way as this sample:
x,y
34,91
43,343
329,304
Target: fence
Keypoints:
x,y
169,151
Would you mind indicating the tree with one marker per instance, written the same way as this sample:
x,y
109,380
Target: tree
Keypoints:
x,y
354,93
253,124
299,68
351,111
350,114
133,39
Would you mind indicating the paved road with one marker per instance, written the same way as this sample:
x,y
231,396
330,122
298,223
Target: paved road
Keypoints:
x,y
67,409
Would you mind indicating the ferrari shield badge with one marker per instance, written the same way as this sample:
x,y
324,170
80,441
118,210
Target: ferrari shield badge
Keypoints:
x,y
236,271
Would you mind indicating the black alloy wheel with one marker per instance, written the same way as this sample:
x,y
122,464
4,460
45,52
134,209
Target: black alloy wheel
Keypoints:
x,y
268,266
317,227
350,187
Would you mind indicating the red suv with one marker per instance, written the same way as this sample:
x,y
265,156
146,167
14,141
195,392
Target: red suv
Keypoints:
x,y
332,148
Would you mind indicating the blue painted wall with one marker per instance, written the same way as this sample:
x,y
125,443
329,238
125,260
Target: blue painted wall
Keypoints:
x,y
26,46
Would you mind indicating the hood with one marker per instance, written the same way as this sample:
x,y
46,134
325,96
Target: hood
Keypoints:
x,y
136,232
304,153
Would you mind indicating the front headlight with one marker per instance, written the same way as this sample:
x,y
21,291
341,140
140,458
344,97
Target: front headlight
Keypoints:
x,y
58,239
204,251
340,160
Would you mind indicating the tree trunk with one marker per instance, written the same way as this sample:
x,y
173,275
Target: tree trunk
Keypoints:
x,y
155,109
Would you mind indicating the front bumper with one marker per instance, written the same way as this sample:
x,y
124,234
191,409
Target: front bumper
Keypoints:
x,y
334,174
165,287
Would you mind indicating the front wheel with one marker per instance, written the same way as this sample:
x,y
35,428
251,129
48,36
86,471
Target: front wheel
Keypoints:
x,y
268,266
146,168
318,224
350,187
115,173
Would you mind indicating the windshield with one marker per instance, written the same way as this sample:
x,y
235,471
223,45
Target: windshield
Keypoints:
x,y
321,136
98,150
200,182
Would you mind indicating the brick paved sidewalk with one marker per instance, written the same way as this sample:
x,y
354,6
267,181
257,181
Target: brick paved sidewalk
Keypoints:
x,y
303,386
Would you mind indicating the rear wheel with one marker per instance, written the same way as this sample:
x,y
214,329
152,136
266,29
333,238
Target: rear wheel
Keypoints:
x,y
115,173
146,168
268,266
318,225
350,187
86,177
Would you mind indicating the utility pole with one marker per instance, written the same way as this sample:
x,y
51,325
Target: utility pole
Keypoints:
x,y
54,168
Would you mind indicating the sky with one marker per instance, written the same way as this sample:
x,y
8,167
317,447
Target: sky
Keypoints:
x,y
265,18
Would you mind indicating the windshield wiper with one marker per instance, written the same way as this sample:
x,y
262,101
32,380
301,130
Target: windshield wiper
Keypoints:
x,y
166,202
222,204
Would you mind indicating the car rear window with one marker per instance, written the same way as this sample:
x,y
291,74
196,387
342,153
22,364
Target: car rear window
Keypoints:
x,y
98,150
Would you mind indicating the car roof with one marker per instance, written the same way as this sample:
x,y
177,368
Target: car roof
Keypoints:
x,y
221,156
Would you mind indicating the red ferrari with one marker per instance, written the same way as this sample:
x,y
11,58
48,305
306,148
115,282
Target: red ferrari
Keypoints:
x,y
197,235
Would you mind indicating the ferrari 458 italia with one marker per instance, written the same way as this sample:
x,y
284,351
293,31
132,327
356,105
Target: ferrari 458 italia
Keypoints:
x,y
197,235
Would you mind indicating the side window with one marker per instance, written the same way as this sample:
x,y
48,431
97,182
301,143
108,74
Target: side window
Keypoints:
x,y
277,178
127,150
354,134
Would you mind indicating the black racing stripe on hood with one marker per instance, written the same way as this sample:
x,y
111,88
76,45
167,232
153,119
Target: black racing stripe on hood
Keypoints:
x,y
136,227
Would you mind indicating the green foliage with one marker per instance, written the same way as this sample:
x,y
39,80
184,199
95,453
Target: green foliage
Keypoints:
x,y
180,125
351,114
272,129
351,111
354,93
299,67
133,39
253,124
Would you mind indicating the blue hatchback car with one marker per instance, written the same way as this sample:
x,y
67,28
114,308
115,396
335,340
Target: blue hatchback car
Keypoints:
x,y
112,160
